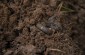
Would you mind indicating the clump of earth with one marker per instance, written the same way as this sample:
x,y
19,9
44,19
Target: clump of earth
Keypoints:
x,y
42,27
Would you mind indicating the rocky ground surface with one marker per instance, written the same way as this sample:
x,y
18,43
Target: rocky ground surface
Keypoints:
x,y
42,27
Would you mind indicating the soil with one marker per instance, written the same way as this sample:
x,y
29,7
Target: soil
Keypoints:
x,y
42,27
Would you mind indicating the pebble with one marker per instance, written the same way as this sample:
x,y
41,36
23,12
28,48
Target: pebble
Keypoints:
x,y
44,29
53,24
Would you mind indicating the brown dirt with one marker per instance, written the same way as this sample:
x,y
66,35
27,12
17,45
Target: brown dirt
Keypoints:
x,y
42,27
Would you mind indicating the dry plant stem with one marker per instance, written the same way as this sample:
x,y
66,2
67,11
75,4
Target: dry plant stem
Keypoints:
x,y
51,49
59,7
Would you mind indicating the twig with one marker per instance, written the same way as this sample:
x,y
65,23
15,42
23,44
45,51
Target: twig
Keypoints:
x,y
51,49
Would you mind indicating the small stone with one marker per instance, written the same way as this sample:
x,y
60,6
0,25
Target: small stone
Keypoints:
x,y
44,29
